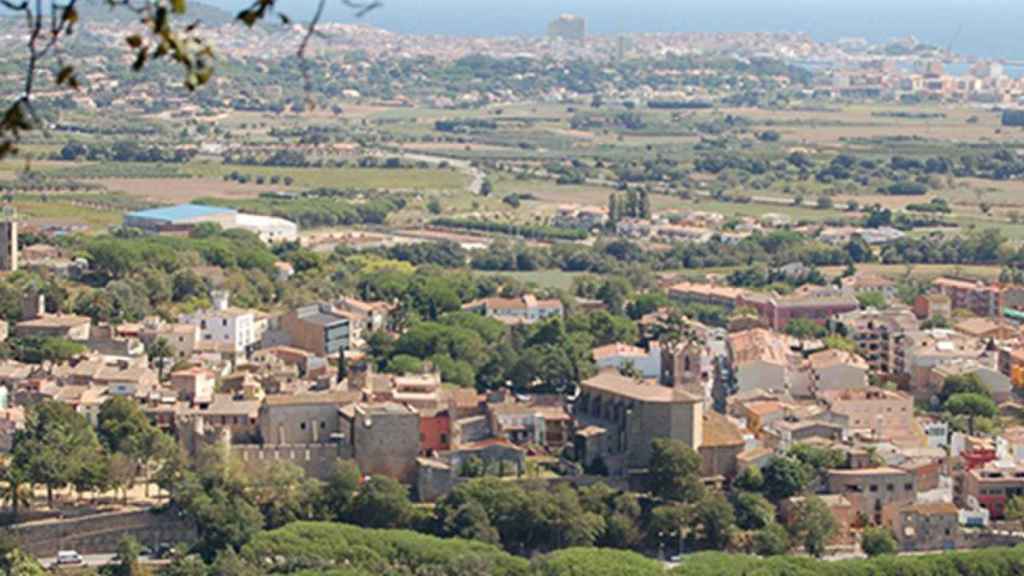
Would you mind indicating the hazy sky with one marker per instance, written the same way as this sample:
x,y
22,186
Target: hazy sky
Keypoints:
x,y
984,27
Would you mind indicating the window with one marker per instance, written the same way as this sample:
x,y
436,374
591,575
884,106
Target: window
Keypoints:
x,y
444,438
889,487
302,426
874,488
908,486
224,322
323,424
202,324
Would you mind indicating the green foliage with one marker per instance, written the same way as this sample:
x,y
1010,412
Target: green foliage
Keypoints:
x,y
381,503
675,471
805,329
310,545
972,406
814,526
56,447
878,540
837,342
784,477
753,511
874,300
594,562
771,540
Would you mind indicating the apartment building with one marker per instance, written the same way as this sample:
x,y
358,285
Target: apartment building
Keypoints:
x,y
876,333
693,293
917,353
836,370
979,298
762,359
318,329
991,487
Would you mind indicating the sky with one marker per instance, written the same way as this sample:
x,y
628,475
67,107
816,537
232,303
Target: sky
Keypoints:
x,y
991,28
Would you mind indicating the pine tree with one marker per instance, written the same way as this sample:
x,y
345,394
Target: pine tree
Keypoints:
x,y
644,206
613,209
631,203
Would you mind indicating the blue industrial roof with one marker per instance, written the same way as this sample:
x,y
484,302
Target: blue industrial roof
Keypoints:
x,y
181,212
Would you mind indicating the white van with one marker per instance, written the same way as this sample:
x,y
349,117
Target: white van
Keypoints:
x,y
68,557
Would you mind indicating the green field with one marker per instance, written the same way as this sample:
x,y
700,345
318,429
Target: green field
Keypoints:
x,y
396,179
554,279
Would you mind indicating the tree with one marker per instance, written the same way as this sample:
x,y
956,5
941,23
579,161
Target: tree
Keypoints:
x,y
874,300
127,558
804,329
675,471
158,351
715,517
381,503
1015,509
342,367
340,488
772,540
753,511
972,406
814,526
750,480
962,384
486,188
783,478
55,446
878,540
837,342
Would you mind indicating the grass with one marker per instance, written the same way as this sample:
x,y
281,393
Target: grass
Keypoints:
x,y
553,279
364,178
66,213
921,271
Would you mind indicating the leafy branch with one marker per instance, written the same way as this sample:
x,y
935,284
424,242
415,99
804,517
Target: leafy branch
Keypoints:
x,y
182,44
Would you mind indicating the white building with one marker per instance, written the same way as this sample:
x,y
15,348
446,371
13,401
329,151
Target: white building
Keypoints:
x,y
619,355
270,229
232,328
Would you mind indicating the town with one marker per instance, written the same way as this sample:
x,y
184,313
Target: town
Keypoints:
x,y
282,297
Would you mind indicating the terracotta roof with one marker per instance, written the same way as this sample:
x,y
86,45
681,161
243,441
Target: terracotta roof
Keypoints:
x,y
833,357
720,432
762,407
759,344
932,509
313,398
708,290
610,381
617,349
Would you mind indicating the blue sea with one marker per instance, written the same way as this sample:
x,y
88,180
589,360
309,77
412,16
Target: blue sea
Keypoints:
x,y
984,28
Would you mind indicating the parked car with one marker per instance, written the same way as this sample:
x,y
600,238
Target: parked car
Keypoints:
x,y
69,557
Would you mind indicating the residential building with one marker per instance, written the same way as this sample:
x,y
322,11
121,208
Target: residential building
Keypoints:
x,y
317,328
832,370
181,338
526,309
723,442
761,359
691,293
38,323
979,298
364,316
584,217
839,506
877,413
999,385
991,486
194,385
917,353
924,526
618,355
876,333
870,490
230,329
817,304
620,416
544,423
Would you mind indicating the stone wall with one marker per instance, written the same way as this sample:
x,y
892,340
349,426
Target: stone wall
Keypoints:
x,y
101,533
316,460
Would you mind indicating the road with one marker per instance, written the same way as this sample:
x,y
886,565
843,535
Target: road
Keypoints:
x,y
476,176
96,561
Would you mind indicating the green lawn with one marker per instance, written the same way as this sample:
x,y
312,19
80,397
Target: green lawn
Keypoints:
x,y
402,178
66,213
556,279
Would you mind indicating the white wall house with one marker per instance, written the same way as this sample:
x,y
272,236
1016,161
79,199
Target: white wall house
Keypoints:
x,y
233,328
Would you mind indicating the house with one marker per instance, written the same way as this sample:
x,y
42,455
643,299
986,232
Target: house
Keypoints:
x,y
584,217
721,446
837,370
991,487
816,304
869,490
876,413
318,328
917,353
526,309
541,422
924,526
364,316
618,355
194,385
761,359
181,338
618,418
876,333
238,417
223,328
999,385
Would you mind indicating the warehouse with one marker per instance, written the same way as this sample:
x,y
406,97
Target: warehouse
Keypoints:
x,y
184,217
